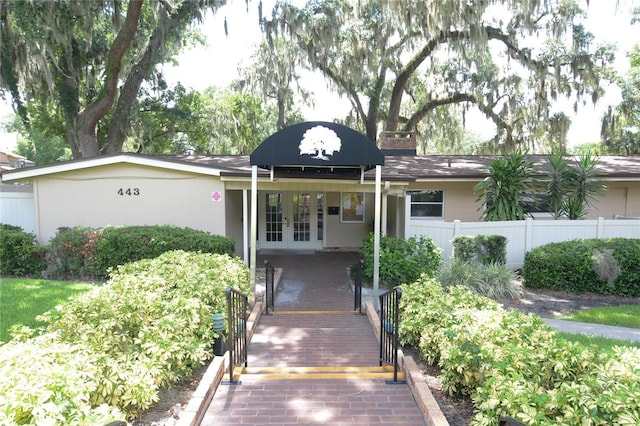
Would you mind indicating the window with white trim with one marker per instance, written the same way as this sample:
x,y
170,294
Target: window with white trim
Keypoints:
x,y
427,204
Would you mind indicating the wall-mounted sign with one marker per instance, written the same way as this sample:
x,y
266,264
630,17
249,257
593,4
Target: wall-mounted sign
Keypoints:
x,y
216,196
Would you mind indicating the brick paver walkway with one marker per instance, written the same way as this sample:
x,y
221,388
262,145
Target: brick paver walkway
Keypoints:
x,y
299,339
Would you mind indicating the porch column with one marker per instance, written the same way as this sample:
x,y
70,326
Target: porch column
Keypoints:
x,y
245,226
254,229
376,238
383,224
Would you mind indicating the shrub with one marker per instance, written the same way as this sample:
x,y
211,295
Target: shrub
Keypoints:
x,y
147,327
45,382
91,253
401,260
127,244
70,252
607,266
20,254
599,390
428,309
512,364
492,280
484,249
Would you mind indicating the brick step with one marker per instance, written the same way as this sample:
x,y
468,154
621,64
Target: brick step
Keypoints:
x,y
315,373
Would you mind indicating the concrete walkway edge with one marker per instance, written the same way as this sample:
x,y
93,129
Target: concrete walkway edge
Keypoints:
x,y
590,329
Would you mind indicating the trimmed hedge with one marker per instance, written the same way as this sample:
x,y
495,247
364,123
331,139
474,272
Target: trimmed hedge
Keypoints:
x,y
606,266
513,364
20,254
484,249
109,350
86,252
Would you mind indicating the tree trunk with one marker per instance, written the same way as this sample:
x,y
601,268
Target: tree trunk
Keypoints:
x,y
281,111
87,120
120,124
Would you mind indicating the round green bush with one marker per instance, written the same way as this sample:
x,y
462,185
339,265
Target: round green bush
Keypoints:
x,y
20,253
606,266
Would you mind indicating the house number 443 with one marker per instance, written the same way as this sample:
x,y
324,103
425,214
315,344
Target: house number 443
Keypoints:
x,y
129,191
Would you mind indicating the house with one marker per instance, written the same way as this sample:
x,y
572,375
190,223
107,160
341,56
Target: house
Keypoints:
x,y
10,161
310,186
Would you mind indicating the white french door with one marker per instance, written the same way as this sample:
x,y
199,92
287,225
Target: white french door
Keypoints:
x,y
291,220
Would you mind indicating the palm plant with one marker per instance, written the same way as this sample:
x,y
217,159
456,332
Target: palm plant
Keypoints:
x,y
503,191
558,172
572,187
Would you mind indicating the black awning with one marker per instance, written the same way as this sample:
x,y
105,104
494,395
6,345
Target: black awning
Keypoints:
x,y
315,145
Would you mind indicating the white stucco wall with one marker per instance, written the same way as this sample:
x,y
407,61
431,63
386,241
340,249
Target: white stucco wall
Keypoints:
x,y
125,194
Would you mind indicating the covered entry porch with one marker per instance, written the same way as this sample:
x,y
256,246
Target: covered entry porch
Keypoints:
x,y
312,192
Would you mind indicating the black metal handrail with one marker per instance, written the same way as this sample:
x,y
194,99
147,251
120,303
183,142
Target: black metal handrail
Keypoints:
x,y
269,294
509,421
357,283
389,320
237,335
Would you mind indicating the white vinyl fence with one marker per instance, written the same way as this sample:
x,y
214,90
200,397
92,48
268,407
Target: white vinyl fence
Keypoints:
x,y
17,208
523,235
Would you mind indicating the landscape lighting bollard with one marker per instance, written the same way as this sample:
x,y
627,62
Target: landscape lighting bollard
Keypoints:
x,y
217,326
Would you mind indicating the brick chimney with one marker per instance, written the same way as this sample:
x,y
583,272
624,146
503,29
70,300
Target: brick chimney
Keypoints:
x,y
397,143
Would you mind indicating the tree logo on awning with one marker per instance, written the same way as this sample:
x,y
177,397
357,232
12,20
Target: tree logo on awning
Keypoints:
x,y
320,141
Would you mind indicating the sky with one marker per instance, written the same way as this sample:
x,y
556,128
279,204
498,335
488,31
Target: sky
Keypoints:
x,y
216,64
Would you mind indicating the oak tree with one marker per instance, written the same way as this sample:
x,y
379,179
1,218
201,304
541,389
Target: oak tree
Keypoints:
x,y
399,62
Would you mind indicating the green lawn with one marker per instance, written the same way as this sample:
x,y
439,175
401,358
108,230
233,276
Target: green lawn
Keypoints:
x,y
21,300
602,343
623,316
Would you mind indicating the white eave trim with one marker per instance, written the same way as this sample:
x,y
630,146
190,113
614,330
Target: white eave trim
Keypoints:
x,y
31,172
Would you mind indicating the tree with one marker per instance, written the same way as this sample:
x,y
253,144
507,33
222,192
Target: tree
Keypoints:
x,y
45,144
620,124
275,74
240,121
503,191
445,53
75,55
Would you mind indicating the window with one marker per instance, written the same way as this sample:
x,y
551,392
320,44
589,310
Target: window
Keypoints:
x,y
427,204
352,207
537,204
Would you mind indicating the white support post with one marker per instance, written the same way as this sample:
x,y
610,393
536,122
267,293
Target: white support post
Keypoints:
x,y
376,239
383,225
245,226
254,228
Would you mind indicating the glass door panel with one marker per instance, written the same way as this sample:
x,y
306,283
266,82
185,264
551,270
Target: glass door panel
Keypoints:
x,y
301,217
273,217
290,220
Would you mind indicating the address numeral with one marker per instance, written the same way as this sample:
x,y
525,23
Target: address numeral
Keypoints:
x,y
129,191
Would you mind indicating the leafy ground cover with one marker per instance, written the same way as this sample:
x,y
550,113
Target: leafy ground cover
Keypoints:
x,y
24,299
